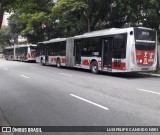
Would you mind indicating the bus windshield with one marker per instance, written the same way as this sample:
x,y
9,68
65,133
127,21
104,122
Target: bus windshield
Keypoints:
x,y
145,39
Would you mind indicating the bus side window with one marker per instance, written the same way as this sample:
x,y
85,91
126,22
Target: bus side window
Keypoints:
x,y
62,48
119,46
91,46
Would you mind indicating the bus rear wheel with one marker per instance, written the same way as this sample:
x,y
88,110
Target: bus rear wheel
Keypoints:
x,y
94,67
58,63
42,62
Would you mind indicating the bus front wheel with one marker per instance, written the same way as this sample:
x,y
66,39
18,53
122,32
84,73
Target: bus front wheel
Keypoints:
x,y
94,67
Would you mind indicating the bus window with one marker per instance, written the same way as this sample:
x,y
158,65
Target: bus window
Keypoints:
x,y
56,48
119,46
91,46
62,48
51,47
40,49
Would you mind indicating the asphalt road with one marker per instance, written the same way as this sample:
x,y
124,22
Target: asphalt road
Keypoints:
x,y
35,95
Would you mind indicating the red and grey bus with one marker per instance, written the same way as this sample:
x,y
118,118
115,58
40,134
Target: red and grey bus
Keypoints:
x,y
21,52
112,50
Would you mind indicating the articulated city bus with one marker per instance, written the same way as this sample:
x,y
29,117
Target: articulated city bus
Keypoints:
x,y
111,50
21,53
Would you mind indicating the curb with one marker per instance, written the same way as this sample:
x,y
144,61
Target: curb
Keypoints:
x,y
150,74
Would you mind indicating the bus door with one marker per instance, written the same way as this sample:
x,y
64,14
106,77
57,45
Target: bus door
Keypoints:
x,y
46,53
25,53
107,53
78,46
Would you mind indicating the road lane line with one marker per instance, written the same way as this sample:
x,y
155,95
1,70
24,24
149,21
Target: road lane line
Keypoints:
x,y
65,74
5,68
24,76
153,92
33,67
100,106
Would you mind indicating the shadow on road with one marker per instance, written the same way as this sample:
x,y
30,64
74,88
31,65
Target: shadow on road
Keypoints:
x,y
133,75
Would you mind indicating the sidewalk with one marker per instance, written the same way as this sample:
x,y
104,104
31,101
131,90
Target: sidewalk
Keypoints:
x,y
3,122
151,74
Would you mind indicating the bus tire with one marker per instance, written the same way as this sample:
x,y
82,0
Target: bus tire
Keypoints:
x,y
42,62
21,60
94,67
58,63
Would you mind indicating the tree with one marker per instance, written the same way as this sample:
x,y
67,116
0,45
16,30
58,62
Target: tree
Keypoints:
x,y
83,15
66,15
70,17
5,37
28,17
97,14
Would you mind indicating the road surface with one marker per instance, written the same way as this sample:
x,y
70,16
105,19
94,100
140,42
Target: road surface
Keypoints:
x,y
35,95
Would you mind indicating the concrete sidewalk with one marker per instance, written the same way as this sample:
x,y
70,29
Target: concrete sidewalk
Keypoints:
x,y
3,122
150,74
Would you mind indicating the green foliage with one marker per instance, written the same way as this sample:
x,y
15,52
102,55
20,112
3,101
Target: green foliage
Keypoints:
x,y
71,17
5,37
67,18
28,6
28,17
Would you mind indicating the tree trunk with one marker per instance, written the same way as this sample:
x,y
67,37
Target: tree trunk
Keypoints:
x,y
89,24
1,17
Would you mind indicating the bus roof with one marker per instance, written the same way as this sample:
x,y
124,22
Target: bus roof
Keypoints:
x,y
101,33
143,28
53,40
9,47
19,46
57,39
111,31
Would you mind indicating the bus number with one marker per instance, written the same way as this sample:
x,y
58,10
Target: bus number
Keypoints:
x,y
145,33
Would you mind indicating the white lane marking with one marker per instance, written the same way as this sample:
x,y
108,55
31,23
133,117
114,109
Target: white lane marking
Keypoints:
x,y
65,74
24,76
5,68
153,92
100,106
33,67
